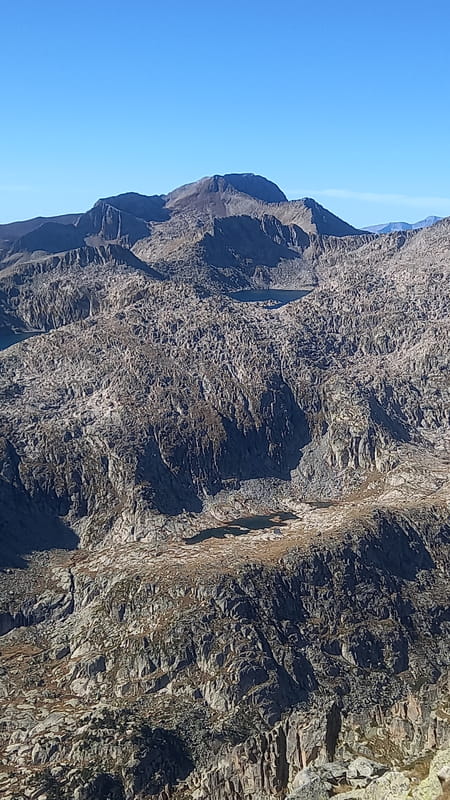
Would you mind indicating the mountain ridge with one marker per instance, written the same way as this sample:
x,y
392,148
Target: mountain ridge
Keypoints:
x,y
225,232
389,227
215,192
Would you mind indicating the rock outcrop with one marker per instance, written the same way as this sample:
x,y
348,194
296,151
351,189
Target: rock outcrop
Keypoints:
x,y
270,679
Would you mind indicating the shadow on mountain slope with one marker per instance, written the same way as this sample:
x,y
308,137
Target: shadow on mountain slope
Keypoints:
x,y
25,528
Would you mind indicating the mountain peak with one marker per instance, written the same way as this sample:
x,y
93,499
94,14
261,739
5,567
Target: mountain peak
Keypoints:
x,y
256,186
314,218
146,207
222,186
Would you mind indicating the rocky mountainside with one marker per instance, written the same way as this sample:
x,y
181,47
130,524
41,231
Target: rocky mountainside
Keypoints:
x,y
12,231
224,525
50,237
221,231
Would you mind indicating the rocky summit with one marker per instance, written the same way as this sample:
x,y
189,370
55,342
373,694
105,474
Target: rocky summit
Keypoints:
x,y
224,518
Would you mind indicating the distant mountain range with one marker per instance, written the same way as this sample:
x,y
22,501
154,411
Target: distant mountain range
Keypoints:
x,y
224,232
130,217
389,227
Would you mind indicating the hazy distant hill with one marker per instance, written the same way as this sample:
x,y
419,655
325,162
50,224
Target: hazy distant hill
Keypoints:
x,y
389,227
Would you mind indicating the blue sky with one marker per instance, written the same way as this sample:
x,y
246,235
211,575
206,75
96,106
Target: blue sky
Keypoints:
x,y
344,101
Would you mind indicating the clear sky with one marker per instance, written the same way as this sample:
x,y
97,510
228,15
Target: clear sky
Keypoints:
x,y
341,100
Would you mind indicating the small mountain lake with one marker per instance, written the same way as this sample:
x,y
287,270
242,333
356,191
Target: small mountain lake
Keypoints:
x,y
8,337
274,298
241,526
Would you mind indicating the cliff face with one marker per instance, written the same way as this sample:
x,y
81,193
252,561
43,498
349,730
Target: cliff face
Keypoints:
x,y
229,686
42,292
